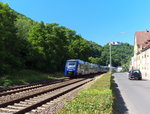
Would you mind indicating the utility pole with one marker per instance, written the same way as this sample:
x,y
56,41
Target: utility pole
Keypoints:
x,y
112,44
110,57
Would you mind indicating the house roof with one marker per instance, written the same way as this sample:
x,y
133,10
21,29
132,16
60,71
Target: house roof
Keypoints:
x,y
142,38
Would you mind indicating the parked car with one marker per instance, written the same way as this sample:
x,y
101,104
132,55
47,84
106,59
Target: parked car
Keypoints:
x,y
135,74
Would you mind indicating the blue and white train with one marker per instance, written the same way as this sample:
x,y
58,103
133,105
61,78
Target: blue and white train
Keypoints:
x,y
75,67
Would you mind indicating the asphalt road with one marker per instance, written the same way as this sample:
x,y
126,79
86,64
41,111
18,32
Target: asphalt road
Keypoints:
x,y
133,95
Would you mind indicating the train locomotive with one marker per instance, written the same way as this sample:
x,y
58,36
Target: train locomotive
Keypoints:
x,y
75,67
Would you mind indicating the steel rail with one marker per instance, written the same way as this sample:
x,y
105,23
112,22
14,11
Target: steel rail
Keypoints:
x,y
35,94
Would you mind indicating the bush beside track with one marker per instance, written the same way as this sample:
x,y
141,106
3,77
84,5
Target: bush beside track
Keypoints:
x,y
98,99
26,76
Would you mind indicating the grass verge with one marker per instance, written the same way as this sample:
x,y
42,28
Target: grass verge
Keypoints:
x,y
98,99
26,76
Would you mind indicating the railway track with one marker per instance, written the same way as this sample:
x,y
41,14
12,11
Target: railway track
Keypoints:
x,y
13,90
29,102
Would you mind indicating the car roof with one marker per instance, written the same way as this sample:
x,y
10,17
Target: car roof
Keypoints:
x,y
135,69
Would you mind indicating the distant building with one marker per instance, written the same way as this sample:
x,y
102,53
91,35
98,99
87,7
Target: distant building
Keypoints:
x,y
141,59
120,68
131,63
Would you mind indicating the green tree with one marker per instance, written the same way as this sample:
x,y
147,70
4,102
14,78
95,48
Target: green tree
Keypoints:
x,y
120,54
80,49
8,40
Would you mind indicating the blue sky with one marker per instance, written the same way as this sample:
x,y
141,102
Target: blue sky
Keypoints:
x,y
100,21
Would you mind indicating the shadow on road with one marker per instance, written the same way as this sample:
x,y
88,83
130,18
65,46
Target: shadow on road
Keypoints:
x,y
139,80
118,103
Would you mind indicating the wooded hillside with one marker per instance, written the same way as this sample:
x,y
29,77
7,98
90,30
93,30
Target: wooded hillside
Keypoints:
x,y
27,44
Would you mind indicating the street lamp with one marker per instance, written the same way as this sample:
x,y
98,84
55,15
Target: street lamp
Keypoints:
x,y
113,44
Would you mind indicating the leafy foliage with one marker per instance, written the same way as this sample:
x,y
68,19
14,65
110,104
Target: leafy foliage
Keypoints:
x,y
120,55
27,76
9,43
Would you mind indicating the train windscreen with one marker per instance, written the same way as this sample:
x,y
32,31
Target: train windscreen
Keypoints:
x,y
71,64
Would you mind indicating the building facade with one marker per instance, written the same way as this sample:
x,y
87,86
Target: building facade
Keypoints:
x,y
141,58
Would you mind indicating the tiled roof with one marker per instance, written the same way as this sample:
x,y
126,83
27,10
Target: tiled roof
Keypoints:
x,y
142,38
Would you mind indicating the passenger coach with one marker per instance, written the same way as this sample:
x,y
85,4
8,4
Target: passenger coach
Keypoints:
x,y
76,67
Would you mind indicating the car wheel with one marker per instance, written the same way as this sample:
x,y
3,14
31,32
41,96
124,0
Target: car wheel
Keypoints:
x,y
140,79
